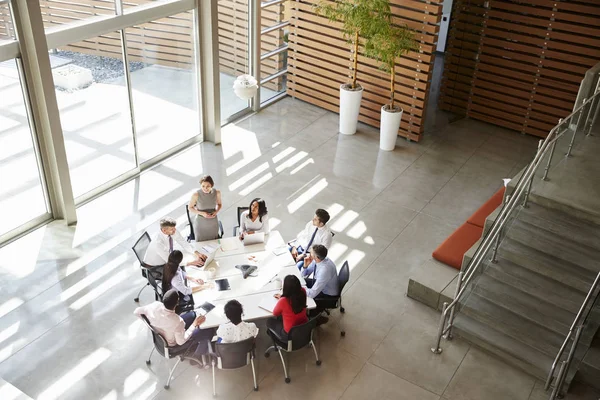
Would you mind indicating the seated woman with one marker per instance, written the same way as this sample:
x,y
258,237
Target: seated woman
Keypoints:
x,y
175,278
205,204
235,330
291,307
255,219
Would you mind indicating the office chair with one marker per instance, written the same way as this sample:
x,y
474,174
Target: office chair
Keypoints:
x,y
192,237
233,356
139,249
335,302
240,210
298,338
161,346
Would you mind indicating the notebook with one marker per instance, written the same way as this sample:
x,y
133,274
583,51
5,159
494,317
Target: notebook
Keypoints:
x,y
255,238
229,244
268,302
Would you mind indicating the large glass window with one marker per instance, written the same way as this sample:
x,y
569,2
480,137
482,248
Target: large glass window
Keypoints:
x,y
22,196
233,53
164,83
94,110
61,12
274,50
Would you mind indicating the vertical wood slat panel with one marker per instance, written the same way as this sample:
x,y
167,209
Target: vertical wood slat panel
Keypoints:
x,y
318,53
507,52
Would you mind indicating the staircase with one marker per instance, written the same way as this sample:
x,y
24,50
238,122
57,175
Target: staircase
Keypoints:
x,y
521,308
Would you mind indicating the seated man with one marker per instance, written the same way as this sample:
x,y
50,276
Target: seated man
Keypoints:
x,y
315,232
235,330
324,283
163,244
178,330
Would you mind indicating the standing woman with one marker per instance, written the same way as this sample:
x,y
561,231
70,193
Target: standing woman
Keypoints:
x,y
206,203
255,219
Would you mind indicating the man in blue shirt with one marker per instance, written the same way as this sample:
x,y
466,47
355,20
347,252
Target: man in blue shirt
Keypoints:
x,y
324,284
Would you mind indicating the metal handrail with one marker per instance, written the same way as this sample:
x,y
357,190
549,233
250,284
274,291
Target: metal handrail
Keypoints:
x,y
576,327
274,27
505,212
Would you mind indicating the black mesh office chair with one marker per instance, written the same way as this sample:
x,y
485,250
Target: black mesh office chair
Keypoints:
x,y
192,236
298,338
162,347
155,271
240,210
332,303
233,356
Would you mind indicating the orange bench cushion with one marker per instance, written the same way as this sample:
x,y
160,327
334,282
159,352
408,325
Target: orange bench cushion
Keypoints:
x,y
478,218
452,250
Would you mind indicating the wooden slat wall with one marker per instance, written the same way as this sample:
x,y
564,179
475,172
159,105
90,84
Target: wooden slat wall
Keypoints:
x,y
519,63
319,61
168,41
6,26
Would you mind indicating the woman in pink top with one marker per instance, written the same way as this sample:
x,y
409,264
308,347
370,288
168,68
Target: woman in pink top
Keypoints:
x,y
290,310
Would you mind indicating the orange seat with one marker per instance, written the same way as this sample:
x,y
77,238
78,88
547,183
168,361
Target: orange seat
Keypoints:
x,y
452,250
478,218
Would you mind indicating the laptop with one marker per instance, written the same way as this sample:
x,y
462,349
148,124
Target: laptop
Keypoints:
x,y
255,238
209,258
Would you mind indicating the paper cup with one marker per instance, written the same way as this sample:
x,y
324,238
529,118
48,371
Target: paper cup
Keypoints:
x,y
210,273
278,283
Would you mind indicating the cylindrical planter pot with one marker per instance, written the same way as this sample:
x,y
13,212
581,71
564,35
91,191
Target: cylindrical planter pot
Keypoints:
x,y
349,109
390,123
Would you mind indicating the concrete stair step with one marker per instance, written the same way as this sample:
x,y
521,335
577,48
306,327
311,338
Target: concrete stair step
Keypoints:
x,y
589,369
567,299
549,243
515,295
544,264
506,348
513,325
562,225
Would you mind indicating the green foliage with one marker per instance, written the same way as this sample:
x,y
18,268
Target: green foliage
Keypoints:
x,y
365,17
389,44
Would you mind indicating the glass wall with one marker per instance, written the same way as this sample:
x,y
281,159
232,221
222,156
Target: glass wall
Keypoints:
x,y
94,110
60,12
163,82
22,195
233,53
274,49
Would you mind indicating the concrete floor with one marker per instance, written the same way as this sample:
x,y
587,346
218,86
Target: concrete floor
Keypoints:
x,y
66,324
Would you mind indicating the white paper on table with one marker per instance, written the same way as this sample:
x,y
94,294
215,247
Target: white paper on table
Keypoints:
x,y
268,302
207,249
280,250
229,244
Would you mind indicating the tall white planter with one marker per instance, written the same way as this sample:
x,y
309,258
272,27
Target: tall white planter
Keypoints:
x,y
390,123
349,109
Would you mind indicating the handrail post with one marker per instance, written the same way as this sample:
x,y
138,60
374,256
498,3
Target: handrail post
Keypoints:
x,y
451,317
595,103
493,260
528,190
437,349
576,130
560,374
545,177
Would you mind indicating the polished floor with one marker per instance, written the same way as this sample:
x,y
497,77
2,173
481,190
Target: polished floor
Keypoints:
x,y
66,293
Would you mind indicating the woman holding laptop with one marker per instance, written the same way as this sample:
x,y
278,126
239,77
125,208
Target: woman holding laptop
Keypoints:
x,y
255,219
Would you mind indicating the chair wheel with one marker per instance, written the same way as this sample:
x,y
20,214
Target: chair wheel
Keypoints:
x,y
148,362
318,362
166,387
342,310
137,299
287,380
267,355
343,333
256,389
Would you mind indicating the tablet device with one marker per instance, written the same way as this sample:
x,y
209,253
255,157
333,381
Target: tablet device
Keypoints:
x,y
206,307
255,238
222,284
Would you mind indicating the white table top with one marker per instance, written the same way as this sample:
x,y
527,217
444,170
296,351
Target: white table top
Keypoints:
x,y
265,281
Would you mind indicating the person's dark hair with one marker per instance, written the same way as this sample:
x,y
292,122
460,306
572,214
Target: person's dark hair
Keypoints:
x,y
322,215
209,179
170,269
167,222
233,311
262,208
292,290
171,299
320,251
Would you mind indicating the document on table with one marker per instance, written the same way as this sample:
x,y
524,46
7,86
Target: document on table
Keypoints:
x,y
268,302
280,250
229,244
208,249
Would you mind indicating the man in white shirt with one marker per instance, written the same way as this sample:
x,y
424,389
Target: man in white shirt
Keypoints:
x,y
324,284
164,242
315,232
235,330
177,330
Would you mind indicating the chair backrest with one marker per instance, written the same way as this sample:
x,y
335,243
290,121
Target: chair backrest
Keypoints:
x,y
141,246
301,335
240,210
154,276
343,276
234,355
191,236
221,231
160,343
